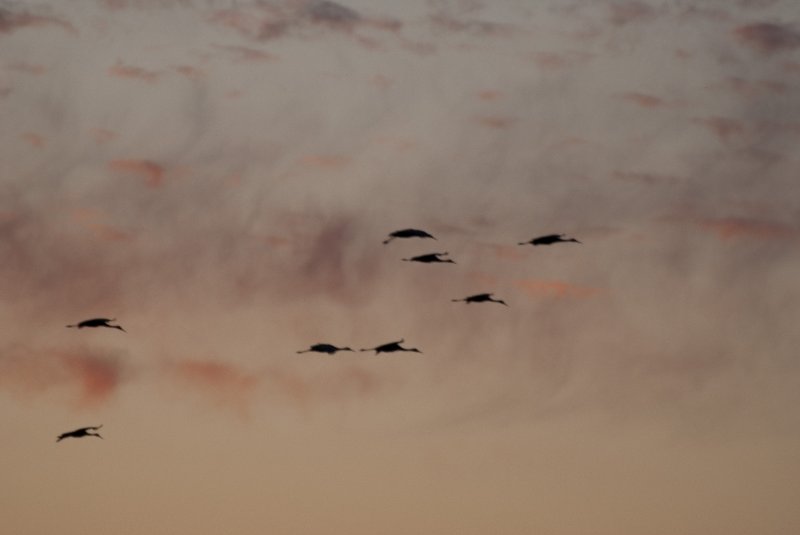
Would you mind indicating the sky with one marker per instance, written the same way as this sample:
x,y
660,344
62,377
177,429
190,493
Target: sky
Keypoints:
x,y
218,176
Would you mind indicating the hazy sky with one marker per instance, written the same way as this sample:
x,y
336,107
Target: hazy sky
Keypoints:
x,y
219,176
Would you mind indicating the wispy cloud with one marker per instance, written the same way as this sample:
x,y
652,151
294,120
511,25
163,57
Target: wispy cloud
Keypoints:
x,y
729,228
12,20
151,172
121,70
768,37
90,377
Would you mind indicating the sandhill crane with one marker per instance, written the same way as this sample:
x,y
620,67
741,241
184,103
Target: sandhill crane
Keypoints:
x,y
429,258
481,298
98,322
549,239
82,432
325,348
408,233
391,347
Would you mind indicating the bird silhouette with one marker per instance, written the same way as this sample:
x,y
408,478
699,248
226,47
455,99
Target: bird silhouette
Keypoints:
x,y
408,233
98,322
325,348
391,347
549,239
79,433
481,298
430,258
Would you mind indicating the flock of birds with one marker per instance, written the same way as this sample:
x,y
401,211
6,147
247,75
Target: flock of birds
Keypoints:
x,y
331,349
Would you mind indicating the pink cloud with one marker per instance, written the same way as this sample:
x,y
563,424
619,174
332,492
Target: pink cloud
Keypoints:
x,y
226,384
98,378
752,88
724,128
34,140
190,72
490,94
644,100
326,161
94,377
768,37
102,136
151,172
92,220
11,21
736,227
28,68
622,13
495,122
120,70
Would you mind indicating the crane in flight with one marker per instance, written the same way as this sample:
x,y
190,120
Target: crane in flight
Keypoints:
x,y
481,298
391,347
325,348
430,258
407,233
549,239
97,322
79,433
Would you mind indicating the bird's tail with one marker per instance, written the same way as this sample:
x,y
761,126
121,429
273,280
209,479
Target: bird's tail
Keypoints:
x,y
388,240
119,327
71,326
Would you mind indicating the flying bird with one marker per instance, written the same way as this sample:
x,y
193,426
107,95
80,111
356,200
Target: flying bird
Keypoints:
x,y
481,298
325,348
408,233
82,432
391,347
429,258
549,239
98,322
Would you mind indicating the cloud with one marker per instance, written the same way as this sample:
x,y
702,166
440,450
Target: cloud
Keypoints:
x,y
622,13
93,376
755,88
725,128
495,122
327,12
151,172
556,61
644,100
121,70
729,228
33,139
269,21
247,54
768,37
226,384
11,21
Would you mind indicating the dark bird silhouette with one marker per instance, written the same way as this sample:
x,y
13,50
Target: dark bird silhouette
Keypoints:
x,y
391,347
98,322
429,258
408,233
325,348
549,239
79,433
481,298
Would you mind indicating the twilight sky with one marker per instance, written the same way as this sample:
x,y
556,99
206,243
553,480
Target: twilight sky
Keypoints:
x,y
219,175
